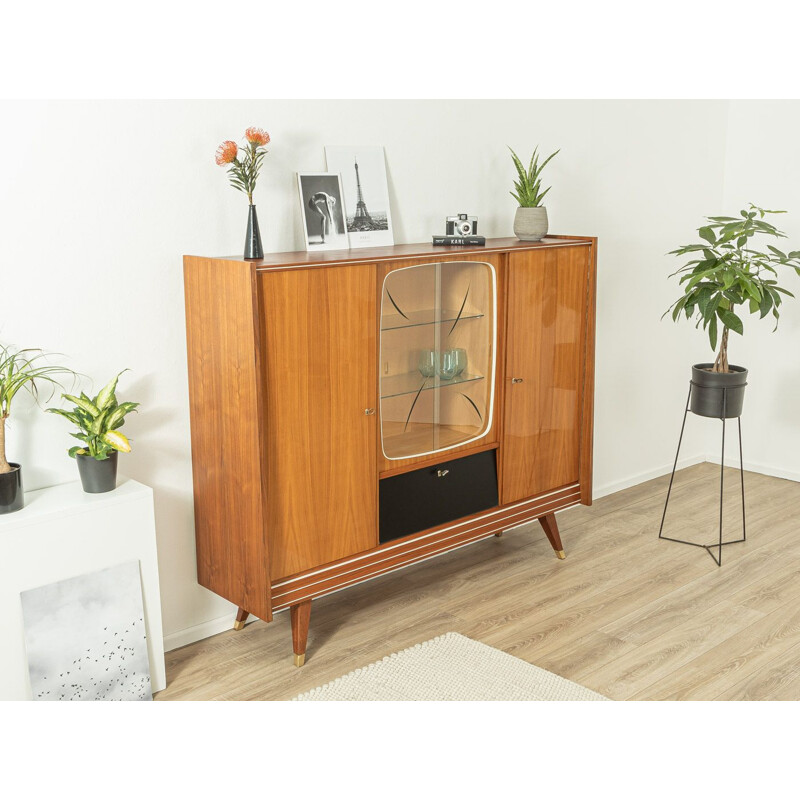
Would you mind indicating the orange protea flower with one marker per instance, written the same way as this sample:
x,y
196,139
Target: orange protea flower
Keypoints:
x,y
257,136
226,153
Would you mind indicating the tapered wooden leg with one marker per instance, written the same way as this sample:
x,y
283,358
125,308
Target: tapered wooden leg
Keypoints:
x,y
301,616
241,618
550,526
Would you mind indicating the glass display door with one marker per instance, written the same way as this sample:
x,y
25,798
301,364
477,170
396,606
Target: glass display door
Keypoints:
x,y
437,356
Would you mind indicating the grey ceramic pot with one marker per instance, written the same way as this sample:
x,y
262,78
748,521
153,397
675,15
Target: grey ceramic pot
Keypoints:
x,y
98,476
530,224
12,497
718,394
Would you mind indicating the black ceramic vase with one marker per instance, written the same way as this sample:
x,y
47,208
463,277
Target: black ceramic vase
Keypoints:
x,y
98,476
718,394
252,244
11,494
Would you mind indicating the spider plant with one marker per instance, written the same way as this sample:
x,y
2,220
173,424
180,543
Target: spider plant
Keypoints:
x,y
528,188
24,369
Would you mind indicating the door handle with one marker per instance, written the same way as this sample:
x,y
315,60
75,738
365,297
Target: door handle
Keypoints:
x,y
440,473
517,380
368,411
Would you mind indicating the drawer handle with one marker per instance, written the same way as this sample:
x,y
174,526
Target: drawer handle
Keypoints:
x,y
442,472
517,380
368,411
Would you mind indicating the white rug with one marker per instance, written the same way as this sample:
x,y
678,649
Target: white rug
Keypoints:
x,y
451,667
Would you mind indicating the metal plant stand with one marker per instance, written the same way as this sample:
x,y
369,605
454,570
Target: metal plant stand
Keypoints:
x,y
720,544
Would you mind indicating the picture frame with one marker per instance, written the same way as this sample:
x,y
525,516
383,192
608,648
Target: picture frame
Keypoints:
x,y
366,192
322,209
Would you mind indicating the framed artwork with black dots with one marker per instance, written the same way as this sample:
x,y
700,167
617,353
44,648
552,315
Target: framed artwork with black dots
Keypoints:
x,y
85,637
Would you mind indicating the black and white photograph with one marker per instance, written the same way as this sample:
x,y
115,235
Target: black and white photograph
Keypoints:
x,y
322,209
366,193
85,637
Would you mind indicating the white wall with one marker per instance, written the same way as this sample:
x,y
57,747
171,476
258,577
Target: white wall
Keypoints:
x,y
762,166
99,201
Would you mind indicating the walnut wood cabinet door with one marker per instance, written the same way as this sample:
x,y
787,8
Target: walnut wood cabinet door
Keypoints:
x,y
318,341
547,295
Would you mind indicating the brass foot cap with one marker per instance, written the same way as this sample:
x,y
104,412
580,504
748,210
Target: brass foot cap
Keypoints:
x,y
238,625
561,554
498,535
299,660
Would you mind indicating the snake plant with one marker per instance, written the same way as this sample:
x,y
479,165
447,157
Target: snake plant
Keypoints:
x,y
528,188
99,419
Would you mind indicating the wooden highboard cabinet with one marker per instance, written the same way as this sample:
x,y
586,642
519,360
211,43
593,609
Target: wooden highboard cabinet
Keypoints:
x,y
354,412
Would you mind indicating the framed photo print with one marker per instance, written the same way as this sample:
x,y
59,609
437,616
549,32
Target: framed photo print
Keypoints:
x,y
366,193
322,209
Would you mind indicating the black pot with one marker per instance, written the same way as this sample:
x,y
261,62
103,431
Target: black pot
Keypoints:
x,y
98,476
11,495
718,394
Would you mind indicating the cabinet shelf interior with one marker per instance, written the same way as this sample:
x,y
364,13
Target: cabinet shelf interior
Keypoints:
x,y
413,382
429,312
413,319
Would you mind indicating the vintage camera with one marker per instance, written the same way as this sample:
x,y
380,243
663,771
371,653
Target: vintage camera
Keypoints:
x,y
461,225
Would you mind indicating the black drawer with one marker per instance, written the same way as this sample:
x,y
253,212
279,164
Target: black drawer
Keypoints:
x,y
414,501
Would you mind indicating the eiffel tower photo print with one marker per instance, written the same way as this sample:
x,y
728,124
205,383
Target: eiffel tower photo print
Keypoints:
x,y
366,193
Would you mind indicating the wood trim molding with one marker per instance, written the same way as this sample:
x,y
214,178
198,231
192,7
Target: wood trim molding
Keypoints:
x,y
419,547
587,415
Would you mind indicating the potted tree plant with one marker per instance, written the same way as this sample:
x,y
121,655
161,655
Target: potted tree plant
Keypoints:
x,y
20,369
725,277
99,419
530,221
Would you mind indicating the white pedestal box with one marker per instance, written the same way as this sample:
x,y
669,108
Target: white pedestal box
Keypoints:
x,y
61,533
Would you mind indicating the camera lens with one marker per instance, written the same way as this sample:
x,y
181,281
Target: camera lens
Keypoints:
x,y
464,228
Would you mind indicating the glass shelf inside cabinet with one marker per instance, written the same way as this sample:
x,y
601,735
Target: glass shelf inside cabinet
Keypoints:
x,y
411,319
436,319
413,382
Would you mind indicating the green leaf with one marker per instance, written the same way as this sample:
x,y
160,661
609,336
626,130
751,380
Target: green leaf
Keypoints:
x,y
118,414
712,333
70,415
83,402
106,396
776,251
77,450
98,425
707,234
765,305
730,320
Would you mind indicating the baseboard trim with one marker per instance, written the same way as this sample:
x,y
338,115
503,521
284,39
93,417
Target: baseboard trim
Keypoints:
x,y
202,631
642,477
752,466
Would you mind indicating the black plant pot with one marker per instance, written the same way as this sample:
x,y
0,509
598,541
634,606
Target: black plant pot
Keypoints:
x,y
98,476
252,243
11,495
718,394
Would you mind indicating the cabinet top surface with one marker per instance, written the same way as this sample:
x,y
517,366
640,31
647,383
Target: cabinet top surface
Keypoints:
x,y
301,258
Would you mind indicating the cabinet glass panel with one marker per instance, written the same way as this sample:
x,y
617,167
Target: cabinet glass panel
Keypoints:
x,y
438,340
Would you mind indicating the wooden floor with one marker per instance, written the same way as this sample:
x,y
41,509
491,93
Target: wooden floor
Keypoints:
x,y
627,615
